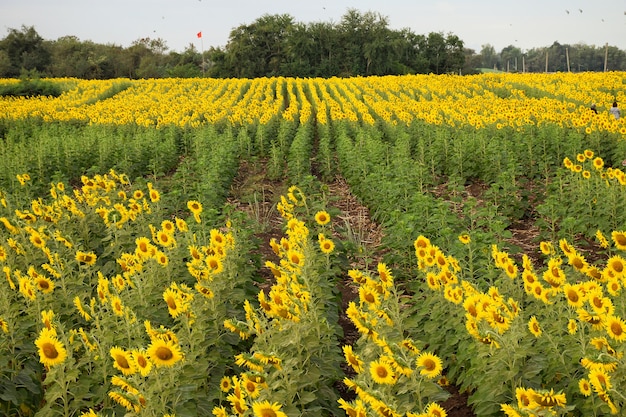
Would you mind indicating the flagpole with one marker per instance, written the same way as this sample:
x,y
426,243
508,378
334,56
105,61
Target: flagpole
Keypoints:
x,y
201,51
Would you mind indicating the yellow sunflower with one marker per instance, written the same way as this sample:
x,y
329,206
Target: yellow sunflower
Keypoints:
x,y
226,384
141,362
619,238
122,360
574,295
431,365
534,327
616,328
196,208
464,238
382,372
86,258
164,353
353,359
584,386
327,246
322,217
51,350
267,409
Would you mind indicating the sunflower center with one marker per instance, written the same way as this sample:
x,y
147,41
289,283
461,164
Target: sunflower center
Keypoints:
x,y
171,303
164,353
142,362
430,364
268,413
122,362
50,351
381,371
616,329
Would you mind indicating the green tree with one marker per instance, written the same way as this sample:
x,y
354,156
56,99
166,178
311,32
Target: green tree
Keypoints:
x,y
489,58
259,49
25,50
511,58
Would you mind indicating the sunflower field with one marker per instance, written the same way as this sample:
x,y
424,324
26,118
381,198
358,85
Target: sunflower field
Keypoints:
x,y
139,278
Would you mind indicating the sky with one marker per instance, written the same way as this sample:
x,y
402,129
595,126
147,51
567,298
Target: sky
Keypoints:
x,y
525,24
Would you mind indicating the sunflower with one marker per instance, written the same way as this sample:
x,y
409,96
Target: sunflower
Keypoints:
x,y
173,301
382,372
533,326
143,247
574,295
37,239
435,410
214,263
369,296
51,350
164,353
619,238
86,258
600,304
384,274
81,310
431,365
509,411
226,384
125,400
598,163
568,163
155,196
584,386
219,412
617,265
44,284
327,246
322,217
572,327
161,258
4,325
196,208
613,286
295,257
141,362
267,409
252,388
181,225
118,307
122,360
353,359
464,238
616,328
600,380
124,385
525,398
165,239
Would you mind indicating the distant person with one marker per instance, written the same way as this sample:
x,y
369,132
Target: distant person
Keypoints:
x,y
615,111
593,108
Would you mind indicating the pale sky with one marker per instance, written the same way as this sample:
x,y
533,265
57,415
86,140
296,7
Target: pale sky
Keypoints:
x,y
522,23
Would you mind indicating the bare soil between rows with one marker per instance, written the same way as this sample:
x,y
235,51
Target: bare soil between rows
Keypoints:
x,y
252,180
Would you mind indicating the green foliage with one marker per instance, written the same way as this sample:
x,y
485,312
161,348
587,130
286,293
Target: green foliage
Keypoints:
x,y
30,85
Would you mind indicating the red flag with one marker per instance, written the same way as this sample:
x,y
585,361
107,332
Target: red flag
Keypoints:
x,y
199,34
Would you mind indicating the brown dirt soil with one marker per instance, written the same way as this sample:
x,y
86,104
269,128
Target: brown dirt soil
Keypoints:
x,y
251,180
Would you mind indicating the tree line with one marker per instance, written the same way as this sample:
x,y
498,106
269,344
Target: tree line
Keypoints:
x,y
360,44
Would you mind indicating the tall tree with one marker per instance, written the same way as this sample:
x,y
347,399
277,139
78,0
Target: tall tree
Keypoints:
x,y
489,58
259,49
25,50
511,58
